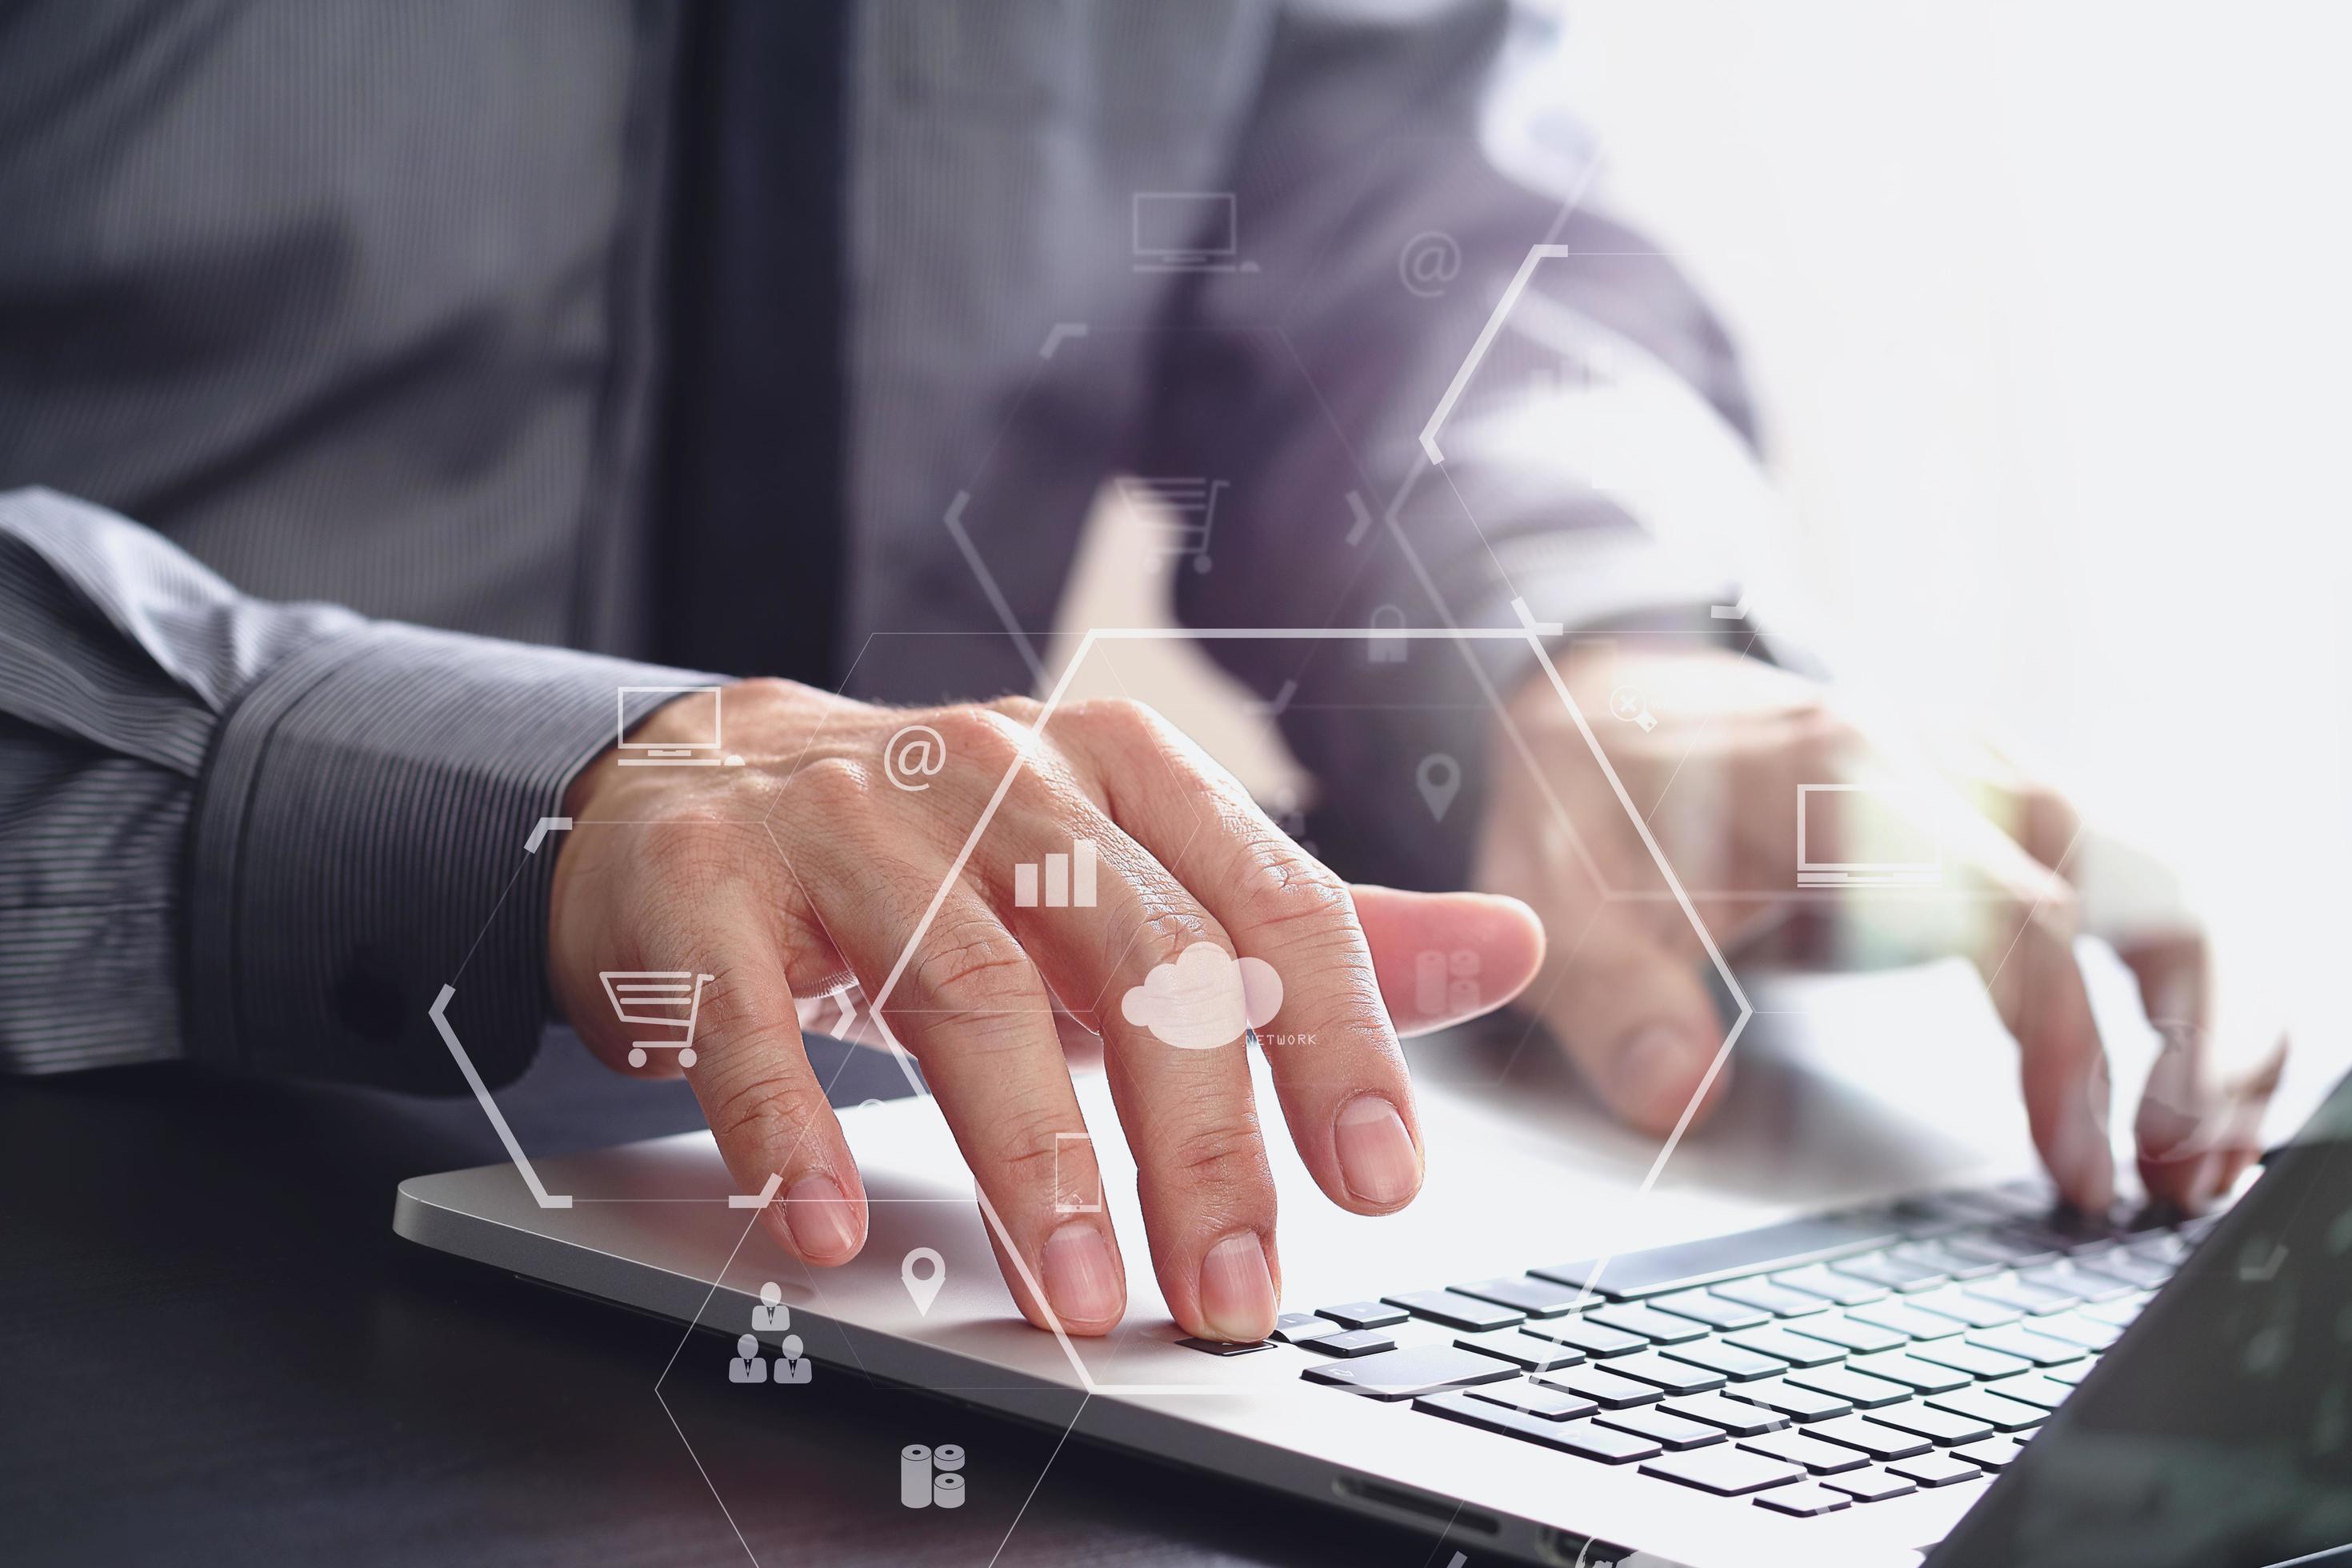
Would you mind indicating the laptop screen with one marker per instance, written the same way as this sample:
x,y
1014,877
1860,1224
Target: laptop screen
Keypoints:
x,y
2218,1432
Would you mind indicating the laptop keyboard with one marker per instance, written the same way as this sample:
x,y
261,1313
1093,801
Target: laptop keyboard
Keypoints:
x,y
1811,1366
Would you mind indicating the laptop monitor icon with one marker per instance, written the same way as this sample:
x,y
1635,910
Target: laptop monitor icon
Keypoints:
x,y
1186,231
1865,836
698,706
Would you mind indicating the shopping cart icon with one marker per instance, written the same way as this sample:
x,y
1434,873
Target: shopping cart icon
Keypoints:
x,y
1175,514
668,999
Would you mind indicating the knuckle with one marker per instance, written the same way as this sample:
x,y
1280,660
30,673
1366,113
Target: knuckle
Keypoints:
x,y
771,1105
1022,711
1287,887
834,783
1221,1157
1122,718
1029,1146
977,968
1168,930
981,734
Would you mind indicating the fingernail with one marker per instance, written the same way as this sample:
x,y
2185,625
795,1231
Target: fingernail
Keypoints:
x,y
1081,1281
1377,1159
1654,1074
818,1216
1236,1290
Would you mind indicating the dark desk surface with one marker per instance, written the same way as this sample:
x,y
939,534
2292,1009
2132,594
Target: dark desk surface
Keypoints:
x,y
217,1351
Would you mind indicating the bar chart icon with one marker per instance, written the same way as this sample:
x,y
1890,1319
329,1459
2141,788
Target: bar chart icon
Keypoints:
x,y
1069,880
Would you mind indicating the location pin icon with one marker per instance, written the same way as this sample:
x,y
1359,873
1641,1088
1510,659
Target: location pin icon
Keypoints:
x,y
1441,781
923,1287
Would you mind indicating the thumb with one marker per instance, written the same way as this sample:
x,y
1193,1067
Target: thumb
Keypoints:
x,y
1639,1021
1443,958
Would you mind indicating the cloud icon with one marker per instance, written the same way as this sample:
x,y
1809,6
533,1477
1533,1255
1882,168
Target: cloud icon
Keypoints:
x,y
1202,998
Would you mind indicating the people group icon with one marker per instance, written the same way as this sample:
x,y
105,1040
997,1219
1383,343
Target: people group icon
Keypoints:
x,y
770,1316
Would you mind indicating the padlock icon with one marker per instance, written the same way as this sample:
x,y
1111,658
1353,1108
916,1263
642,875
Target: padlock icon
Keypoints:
x,y
1381,649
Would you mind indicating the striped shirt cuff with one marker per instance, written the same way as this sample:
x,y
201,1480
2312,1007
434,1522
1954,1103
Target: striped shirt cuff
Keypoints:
x,y
359,842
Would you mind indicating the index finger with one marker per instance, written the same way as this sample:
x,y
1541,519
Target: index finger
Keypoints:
x,y
2030,970
1326,1028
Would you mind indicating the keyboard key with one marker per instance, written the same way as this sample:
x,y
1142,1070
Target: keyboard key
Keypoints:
x,y
1674,1376
1297,1328
2080,1283
1534,1399
1843,1331
2016,1292
1919,1376
1363,1314
1591,1338
1739,1365
1886,1268
2072,1375
1226,1347
1796,1403
1710,1309
1935,1469
1934,1255
1401,1374
1536,1297
2033,1389
1456,1311
1590,1440
1940,1427
1353,1342
1695,1263
1805,1501
2015,1339
1843,1289
2076,1329
1725,1471
1766,1297
1904,1319
1868,1436
1856,1388
1674,1432
1662,1328
1819,1459
2130,1268
2121,1313
2163,1247
1992,1454
1739,1420
1779,1342
1870,1486
1525,1352
1601,1387
1579,1437
1957,1304
1977,1362
2006,1248
2000,1412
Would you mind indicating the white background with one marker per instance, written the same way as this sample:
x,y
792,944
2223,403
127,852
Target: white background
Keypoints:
x,y
2047,308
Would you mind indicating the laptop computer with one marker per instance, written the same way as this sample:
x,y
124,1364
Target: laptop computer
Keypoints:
x,y
1831,1335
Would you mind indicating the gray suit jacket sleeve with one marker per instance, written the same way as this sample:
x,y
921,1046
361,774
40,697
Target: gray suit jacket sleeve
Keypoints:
x,y
1401,166
262,834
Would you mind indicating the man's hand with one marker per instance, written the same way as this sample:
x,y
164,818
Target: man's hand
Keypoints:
x,y
1715,780
808,868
